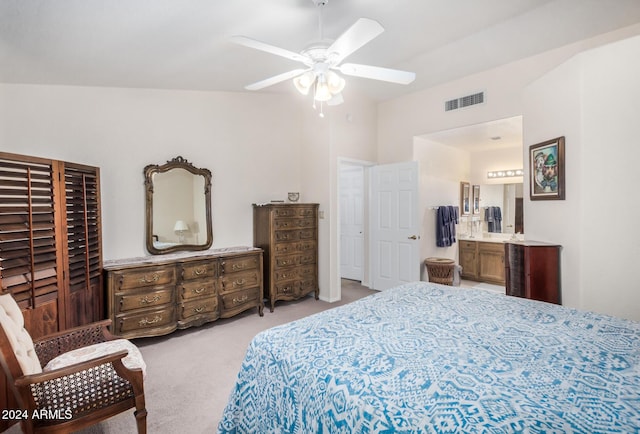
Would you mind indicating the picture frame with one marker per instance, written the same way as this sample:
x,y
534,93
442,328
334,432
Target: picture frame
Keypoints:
x,y
465,198
546,170
475,193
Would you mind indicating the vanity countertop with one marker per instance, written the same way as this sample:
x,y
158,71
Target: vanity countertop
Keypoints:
x,y
492,238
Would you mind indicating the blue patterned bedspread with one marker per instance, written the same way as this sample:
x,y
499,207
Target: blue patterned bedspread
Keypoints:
x,y
425,358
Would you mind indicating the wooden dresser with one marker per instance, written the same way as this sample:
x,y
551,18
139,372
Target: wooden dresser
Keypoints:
x,y
155,295
532,270
288,234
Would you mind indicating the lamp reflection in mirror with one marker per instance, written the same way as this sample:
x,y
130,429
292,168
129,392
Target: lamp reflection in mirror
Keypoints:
x,y
505,173
180,228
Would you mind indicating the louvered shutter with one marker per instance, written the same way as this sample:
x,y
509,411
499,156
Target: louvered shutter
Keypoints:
x,y
29,241
84,253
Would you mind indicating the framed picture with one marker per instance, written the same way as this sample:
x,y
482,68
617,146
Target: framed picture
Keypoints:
x,y
476,199
465,198
546,170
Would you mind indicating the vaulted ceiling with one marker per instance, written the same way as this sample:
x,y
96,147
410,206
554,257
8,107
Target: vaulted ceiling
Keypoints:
x,y
183,44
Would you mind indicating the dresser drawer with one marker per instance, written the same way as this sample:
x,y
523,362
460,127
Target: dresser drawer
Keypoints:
x,y
198,270
307,234
284,212
127,301
307,271
141,277
203,306
287,235
233,265
308,258
468,245
288,289
306,212
285,274
142,321
307,245
284,248
286,261
308,285
235,281
237,299
197,288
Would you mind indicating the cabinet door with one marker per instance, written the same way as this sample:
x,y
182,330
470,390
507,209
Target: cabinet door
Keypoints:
x,y
30,239
468,259
84,240
491,259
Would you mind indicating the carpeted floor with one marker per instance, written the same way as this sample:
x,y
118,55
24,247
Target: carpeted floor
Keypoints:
x,y
190,372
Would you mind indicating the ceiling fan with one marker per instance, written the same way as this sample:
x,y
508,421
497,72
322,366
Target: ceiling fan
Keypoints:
x,y
323,59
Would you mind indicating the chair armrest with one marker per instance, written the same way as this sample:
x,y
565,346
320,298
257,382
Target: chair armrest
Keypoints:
x,y
69,370
53,345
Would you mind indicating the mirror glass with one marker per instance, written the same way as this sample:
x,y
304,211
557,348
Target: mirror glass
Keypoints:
x,y
178,197
465,198
509,198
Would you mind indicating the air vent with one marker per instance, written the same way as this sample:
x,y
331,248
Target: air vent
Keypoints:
x,y
465,101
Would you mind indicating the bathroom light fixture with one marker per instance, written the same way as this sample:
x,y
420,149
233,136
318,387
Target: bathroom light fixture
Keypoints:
x,y
505,173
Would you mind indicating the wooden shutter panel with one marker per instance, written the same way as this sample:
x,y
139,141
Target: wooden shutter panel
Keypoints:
x,y
84,253
31,269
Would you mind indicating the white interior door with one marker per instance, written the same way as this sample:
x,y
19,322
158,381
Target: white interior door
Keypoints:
x,y
395,253
351,222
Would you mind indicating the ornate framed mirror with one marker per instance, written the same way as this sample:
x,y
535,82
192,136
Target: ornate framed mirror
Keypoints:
x,y
178,207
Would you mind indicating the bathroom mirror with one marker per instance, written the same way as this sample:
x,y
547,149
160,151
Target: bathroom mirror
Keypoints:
x,y
178,207
509,197
465,198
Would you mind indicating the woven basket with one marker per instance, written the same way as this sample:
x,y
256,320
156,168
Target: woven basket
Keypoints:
x,y
440,270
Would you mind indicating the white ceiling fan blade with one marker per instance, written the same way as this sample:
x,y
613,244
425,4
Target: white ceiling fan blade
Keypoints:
x,y
262,46
378,73
275,79
361,32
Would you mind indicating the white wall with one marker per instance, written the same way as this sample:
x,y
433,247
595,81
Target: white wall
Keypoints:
x,y
259,146
250,142
441,170
593,100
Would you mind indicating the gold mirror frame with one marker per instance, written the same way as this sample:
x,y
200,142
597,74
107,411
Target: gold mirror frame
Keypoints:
x,y
177,163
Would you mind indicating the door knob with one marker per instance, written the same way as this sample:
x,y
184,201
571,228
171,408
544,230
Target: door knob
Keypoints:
x,y
413,237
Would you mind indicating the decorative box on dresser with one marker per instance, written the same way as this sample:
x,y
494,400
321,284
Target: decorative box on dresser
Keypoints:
x,y
155,295
288,234
532,270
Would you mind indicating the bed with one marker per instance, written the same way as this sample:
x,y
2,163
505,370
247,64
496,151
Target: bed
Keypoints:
x,y
425,358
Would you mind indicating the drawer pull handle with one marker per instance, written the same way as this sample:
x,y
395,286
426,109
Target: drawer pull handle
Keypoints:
x,y
146,321
239,282
198,290
147,300
236,267
238,300
200,271
199,309
286,289
146,279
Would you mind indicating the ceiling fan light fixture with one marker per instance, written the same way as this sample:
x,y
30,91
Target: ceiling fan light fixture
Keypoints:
x,y
322,90
304,82
335,82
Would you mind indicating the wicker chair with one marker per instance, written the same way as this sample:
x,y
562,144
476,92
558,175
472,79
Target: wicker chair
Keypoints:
x,y
440,270
57,393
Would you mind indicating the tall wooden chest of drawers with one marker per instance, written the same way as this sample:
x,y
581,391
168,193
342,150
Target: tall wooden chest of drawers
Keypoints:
x,y
532,270
156,295
288,234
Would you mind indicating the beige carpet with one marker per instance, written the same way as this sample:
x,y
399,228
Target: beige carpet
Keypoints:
x,y
190,372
